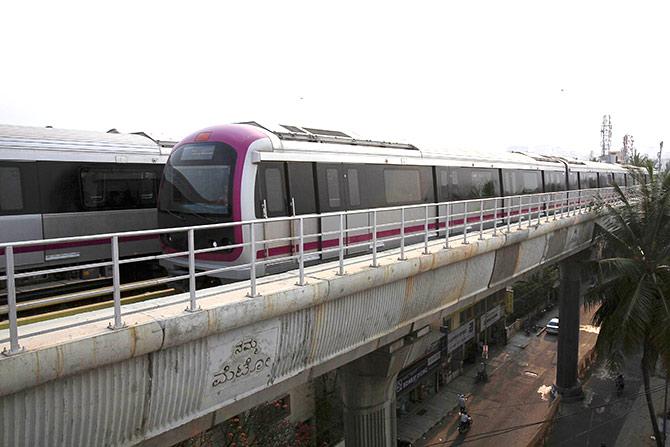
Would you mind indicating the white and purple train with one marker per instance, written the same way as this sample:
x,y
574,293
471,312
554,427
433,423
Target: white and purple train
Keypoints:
x,y
57,183
241,172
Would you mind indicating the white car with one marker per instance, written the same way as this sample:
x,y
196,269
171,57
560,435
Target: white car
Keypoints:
x,y
552,326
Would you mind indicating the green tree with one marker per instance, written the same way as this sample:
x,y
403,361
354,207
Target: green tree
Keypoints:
x,y
632,291
637,159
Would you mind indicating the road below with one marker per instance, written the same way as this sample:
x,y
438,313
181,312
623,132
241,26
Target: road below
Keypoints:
x,y
509,408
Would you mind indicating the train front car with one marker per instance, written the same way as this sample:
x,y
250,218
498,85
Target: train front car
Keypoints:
x,y
209,179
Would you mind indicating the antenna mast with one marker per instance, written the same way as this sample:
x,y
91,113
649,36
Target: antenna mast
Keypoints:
x,y
606,137
628,148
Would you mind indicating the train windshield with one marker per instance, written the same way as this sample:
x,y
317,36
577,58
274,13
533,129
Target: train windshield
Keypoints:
x,y
198,180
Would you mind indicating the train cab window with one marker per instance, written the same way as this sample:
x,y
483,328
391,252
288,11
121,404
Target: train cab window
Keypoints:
x,y
573,180
11,194
554,181
105,189
275,192
333,184
516,182
352,185
402,186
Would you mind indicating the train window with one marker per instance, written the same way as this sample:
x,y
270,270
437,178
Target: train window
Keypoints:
x,y
573,180
333,184
118,188
554,181
443,185
352,183
274,192
11,194
521,182
471,183
402,186
604,179
588,180
620,179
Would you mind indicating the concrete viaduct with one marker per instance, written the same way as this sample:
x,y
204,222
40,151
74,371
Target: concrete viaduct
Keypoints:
x,y
169,374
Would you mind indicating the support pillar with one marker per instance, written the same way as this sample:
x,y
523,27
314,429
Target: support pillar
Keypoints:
x,y
567,382
368,397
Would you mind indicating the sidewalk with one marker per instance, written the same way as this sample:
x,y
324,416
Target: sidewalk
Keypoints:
x,y
636,429
517,393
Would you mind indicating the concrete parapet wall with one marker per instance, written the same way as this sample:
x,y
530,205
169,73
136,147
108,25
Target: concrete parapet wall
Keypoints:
x,y
92,386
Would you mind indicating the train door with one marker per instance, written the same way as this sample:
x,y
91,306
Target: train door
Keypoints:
x,y
271,184
333,192
20,217
357,223
302,201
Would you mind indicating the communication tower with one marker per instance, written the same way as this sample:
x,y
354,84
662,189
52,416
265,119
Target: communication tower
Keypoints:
x,y
659,166
606,137
628,148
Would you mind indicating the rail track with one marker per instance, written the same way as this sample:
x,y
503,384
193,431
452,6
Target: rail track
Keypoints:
x,y
95,295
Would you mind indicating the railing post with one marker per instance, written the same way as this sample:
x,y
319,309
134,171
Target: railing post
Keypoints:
x,y
465,223
341,266
301,253
554,204
425,232
192,306
520,210
116,280
252,268
509,213
402,234
14,347
530,210
374,238
446,228
481,219
549,203
495,217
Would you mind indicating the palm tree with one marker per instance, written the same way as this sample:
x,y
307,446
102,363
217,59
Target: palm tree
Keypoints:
x,y
638,159
632,293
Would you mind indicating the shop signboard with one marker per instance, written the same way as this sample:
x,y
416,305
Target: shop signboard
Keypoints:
x,y
490,317
411,375
461,335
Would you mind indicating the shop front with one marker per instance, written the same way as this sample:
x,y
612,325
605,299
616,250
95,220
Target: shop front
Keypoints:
x,y
422,378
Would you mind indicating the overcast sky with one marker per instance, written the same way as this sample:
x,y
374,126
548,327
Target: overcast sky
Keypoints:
x,y
468,74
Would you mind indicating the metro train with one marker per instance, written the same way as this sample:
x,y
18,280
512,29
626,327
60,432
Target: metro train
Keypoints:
x,y
58,183
240,172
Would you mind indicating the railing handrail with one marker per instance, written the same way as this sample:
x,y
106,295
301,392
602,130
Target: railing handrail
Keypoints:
x,y
537,206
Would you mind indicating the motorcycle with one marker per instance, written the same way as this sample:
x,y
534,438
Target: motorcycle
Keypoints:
x,y
464,427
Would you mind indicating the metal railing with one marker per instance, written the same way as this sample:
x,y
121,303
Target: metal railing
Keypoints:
x,y
460,218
